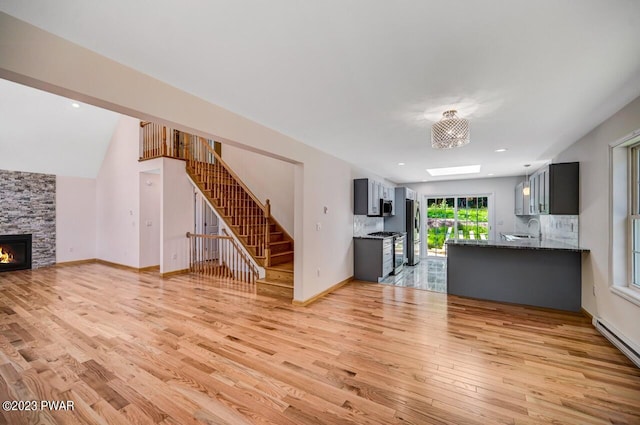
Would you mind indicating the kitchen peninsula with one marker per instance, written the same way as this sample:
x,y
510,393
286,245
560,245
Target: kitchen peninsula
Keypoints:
x,y
532,272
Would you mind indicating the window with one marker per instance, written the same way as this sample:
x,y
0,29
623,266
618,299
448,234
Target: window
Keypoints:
x,y
624,218
634,215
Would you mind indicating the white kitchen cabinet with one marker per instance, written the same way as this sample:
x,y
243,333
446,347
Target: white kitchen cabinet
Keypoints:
x,y
374,199
522,201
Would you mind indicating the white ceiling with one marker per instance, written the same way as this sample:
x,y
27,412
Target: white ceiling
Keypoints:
x,y
355,77
44,133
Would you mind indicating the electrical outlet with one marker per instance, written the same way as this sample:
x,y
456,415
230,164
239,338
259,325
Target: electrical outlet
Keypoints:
x,y
175,256
318,272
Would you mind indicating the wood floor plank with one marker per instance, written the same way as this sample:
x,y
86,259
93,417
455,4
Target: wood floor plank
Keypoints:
x,y
130,347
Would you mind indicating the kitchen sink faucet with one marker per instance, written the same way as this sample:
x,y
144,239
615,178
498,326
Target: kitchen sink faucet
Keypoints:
x,y
539,227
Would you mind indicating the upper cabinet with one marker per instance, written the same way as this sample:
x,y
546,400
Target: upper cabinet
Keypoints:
x,y
554,189
522,202
367,194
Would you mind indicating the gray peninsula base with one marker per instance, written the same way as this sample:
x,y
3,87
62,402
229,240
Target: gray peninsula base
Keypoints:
x,y
543,278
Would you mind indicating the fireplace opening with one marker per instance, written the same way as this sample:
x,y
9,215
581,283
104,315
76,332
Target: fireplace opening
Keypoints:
x,y
15,252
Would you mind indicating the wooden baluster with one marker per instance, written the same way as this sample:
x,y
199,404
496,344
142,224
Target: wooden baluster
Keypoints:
x,y
267,249
190,251
235,264
205,256
211,260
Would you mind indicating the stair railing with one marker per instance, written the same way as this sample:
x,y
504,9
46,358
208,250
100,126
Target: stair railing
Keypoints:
x,y
244,212
220,256
154,140
158,141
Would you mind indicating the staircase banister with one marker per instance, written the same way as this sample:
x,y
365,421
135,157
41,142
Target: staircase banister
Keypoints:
x,y
234,175
197,235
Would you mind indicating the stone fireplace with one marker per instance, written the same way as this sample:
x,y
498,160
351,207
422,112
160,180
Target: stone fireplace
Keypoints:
x,y
15,252
28,207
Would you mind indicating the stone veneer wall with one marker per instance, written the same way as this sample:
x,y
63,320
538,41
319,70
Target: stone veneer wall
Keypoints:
x,y
28,205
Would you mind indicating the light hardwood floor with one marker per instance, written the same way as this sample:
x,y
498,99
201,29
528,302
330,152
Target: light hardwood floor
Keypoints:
x,y
131,347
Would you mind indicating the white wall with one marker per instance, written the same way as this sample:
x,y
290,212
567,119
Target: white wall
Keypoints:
x,y
268,178
327,253
502,189
592,151
61,67
75,219
150,187
118,197
177,216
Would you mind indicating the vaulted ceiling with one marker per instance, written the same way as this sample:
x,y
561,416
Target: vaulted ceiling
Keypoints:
x,y
44,133
365,79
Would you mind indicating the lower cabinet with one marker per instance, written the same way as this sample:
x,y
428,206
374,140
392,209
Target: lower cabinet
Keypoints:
x,y
373,258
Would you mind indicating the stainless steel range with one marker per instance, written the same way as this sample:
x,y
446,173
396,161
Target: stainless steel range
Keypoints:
x,y
399,239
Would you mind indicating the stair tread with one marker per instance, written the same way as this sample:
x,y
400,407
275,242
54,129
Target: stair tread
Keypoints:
x,y
280,254
272,283
284,267
279,242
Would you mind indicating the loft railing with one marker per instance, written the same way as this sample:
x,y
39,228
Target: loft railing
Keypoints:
x,y
246,215
220,256
158,141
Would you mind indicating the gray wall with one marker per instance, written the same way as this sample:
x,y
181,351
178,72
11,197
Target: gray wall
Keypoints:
x,y
28,205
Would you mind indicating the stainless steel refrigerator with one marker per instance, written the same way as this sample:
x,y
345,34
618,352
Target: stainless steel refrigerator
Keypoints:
x,y
413,231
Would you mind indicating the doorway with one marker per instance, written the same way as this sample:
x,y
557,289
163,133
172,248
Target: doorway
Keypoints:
x,y
206,222
456,217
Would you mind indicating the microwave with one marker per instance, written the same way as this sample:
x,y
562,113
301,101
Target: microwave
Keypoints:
x,y
386,207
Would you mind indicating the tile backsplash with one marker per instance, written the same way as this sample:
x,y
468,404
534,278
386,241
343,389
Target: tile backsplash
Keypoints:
x,y
558,228
363,225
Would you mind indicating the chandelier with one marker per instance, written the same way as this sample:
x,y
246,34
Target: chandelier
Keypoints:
x,y
450,131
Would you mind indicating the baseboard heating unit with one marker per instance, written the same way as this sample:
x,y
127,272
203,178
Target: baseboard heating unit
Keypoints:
x,y
627,347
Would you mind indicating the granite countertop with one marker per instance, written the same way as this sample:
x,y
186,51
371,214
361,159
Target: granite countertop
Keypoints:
x,y
518,244
372,237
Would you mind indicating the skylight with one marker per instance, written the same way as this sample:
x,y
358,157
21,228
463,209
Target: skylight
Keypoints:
x,y
451,171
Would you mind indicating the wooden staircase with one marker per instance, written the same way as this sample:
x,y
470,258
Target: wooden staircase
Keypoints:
x,y
245,215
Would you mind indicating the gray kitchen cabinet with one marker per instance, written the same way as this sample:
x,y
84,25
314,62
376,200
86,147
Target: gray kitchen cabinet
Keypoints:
x,y
367,194
373,258
365,197
555,189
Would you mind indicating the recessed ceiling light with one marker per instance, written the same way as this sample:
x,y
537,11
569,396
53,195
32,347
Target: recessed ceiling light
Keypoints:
x,y
490,174
450,171
75,105
400,163
501,150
